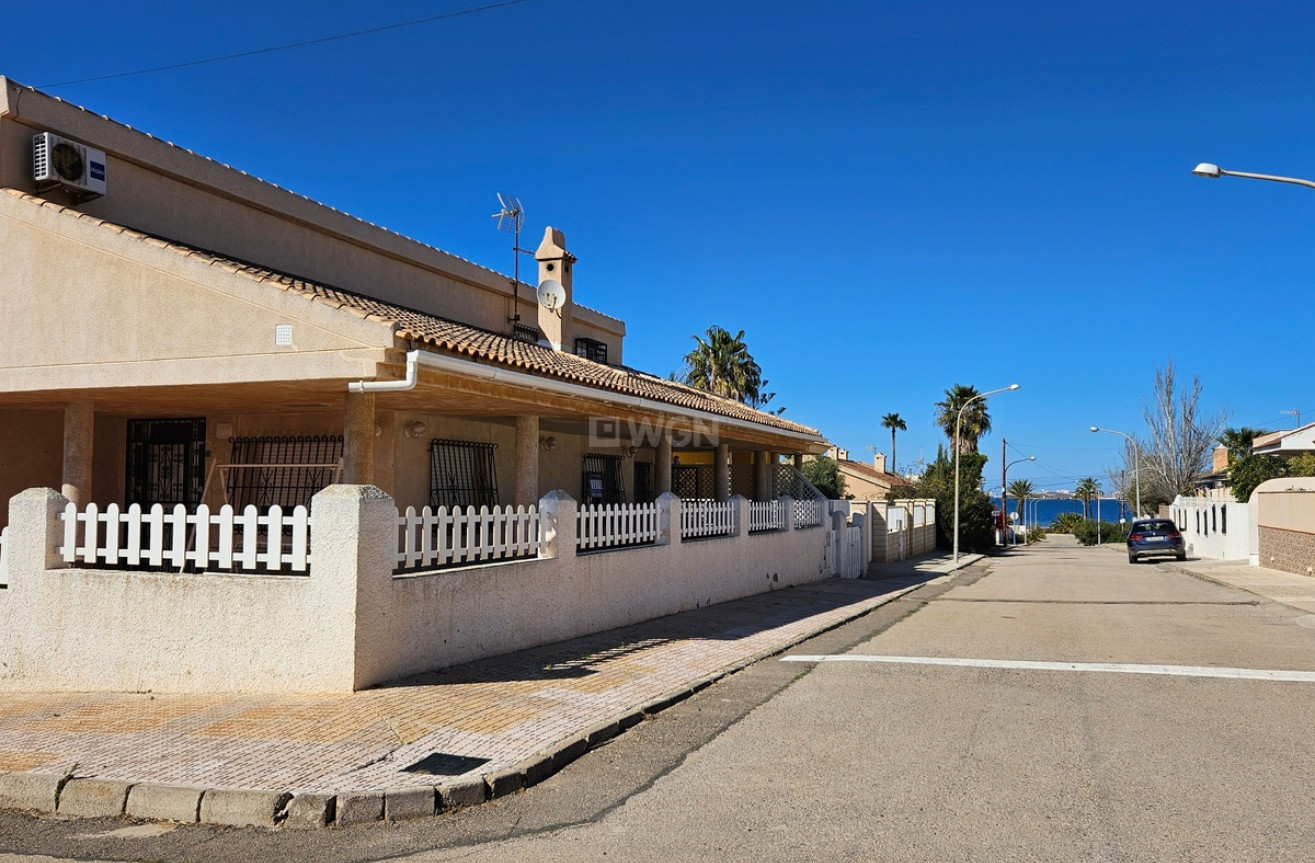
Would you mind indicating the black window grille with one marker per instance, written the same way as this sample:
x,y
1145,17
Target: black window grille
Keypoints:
x,y
165,462
285,471
591,349
462,473
1223,518
602,481
644,482
526,333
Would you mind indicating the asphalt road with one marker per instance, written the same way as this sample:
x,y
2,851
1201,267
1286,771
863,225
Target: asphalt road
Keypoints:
x,y
1129,751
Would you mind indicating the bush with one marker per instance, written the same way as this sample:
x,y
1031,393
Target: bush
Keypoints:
x,y
1035,534
1086,532
1065,522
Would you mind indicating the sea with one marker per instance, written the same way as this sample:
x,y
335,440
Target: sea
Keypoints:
x,y
1044,511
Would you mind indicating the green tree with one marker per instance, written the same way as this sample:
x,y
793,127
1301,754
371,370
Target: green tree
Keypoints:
x,y
976,418
1087,489
976,531
1250,470
894,422
825,473
1020,490
721,363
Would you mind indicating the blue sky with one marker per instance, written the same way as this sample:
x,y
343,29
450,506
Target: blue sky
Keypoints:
x,y
888,198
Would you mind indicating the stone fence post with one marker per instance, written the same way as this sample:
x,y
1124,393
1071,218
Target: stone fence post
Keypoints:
x,y
668,507
35,532
558,525
741,505
354,531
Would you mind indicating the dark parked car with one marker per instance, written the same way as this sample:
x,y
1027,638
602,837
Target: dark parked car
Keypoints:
x,y
1152,536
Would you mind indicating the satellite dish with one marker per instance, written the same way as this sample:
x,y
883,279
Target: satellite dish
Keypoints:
x,y
551,294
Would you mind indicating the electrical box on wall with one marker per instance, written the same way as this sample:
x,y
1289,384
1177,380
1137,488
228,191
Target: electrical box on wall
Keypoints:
x,y
58,161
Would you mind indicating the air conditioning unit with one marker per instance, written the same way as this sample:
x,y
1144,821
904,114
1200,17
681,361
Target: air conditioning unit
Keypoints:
x,y
58,161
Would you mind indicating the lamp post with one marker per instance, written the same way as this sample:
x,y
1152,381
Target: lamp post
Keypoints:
x,y
1004,482
1136,465
958,420
1205,169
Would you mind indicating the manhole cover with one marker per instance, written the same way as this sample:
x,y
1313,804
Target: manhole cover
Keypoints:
x,y
443,764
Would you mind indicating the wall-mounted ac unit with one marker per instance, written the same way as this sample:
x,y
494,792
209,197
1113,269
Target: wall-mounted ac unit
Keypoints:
x,y
58,161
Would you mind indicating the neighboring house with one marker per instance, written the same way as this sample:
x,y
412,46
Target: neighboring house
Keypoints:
x,y
181,333
1286,443
870,481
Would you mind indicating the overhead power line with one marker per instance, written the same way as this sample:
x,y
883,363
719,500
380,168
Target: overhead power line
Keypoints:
x,y
289,46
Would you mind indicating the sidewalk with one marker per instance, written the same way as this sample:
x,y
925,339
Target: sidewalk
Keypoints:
x,y
1297,591
407,749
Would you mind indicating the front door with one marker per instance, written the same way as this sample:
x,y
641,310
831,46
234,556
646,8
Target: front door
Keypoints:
x,y
166,462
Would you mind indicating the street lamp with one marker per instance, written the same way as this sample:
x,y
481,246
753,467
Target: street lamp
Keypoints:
x,y
1136,465
1205,169
1004,487
958,419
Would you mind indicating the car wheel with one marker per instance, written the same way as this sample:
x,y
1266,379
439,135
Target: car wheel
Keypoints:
x,y
1132,558
1182,556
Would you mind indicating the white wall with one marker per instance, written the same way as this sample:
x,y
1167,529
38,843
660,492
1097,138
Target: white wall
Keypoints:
x,y
351,622
1213,527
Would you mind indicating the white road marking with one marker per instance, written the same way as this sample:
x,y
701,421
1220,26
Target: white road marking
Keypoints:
x,y
1107,667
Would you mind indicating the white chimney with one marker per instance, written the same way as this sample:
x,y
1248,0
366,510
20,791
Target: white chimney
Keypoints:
x,y
879,462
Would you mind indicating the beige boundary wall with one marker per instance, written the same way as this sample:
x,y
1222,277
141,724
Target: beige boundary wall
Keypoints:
x,y
1283,525
352,622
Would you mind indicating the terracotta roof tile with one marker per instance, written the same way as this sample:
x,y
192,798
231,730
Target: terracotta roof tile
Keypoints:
x,y
433,332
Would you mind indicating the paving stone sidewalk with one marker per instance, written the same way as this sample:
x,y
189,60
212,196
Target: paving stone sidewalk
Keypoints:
x,y
408,748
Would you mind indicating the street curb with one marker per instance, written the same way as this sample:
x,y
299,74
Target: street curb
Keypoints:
x,y
301,809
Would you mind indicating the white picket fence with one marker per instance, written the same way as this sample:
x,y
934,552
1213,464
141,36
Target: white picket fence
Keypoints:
x,y
610,525
764,515
248,541
706,518
808,513
432,538
4,556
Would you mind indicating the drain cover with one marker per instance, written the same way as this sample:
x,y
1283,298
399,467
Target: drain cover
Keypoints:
x,y
444,764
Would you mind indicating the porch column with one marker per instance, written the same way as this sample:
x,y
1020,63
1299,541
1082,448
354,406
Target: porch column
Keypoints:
x,y
722,472
79,425
762,483
662,464
358,439
798,461
527,460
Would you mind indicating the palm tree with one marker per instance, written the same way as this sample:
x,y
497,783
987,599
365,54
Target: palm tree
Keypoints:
x,y
1239,441
1019,490
1088,487
976,419
893,422
721,364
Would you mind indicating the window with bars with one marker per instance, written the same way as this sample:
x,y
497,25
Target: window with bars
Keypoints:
x,y
462,473
591,349
165,462
285,471
602,481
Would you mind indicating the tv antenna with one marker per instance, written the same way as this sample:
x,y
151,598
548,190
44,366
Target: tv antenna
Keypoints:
x,y
1296,414
511,217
